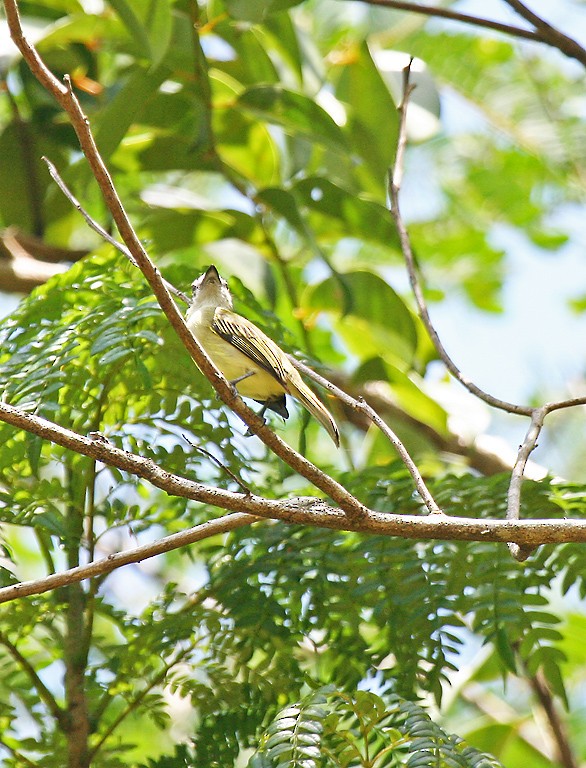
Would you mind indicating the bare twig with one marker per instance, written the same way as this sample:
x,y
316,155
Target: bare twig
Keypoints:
x,y
360,404
465,18
543,32
549,34
525,449
394,189
239,482
514,492
93,224
537,415
557,405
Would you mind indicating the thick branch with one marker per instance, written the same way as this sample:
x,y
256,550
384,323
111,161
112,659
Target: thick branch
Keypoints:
x,y
301,511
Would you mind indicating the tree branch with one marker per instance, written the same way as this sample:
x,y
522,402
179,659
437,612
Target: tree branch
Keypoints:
x,y
297,510
92,224
514,492
543,32
446,13
537,415
45,694
549,34
565,755
395,178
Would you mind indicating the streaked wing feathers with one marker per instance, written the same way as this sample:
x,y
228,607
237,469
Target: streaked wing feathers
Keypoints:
x,y
251,341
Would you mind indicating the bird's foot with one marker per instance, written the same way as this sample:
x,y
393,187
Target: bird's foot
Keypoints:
x,y
237,380
260,414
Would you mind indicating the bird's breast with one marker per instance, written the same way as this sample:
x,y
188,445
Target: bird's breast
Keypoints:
x,y
231,362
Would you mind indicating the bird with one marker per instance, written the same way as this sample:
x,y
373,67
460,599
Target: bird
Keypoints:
x,y
247,357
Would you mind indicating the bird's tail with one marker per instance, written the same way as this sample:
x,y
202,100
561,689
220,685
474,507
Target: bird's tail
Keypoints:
x,y
317,409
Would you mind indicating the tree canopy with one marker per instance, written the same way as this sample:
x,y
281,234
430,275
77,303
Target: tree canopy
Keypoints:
x,y
349,167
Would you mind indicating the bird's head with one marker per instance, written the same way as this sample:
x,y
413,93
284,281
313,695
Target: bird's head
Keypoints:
x,y
211,289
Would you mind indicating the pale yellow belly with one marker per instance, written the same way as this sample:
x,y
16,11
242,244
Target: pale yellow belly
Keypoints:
x,y
233,364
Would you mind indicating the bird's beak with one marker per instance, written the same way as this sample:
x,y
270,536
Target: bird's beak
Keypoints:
x,y
211,274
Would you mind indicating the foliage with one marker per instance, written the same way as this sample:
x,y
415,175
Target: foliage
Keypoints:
x,y
257,135
329,727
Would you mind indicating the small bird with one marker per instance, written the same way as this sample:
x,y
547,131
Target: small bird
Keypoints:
x,y
252,362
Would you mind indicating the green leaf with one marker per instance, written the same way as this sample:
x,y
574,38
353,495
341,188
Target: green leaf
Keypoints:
x,y
116,118
296,113
373,124
358,216
23,178
34,446
257,11
283,203
406,389
80,28
374,310
126,11
149,25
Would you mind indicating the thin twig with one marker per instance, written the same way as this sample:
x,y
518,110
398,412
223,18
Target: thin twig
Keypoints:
x,y
557,405
446,13
550,34
514,492
394,189
525,449
93,224
543,32
360,404
537,415
239,482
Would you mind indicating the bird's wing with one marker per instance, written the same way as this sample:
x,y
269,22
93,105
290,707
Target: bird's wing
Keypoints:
x,y
251,341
